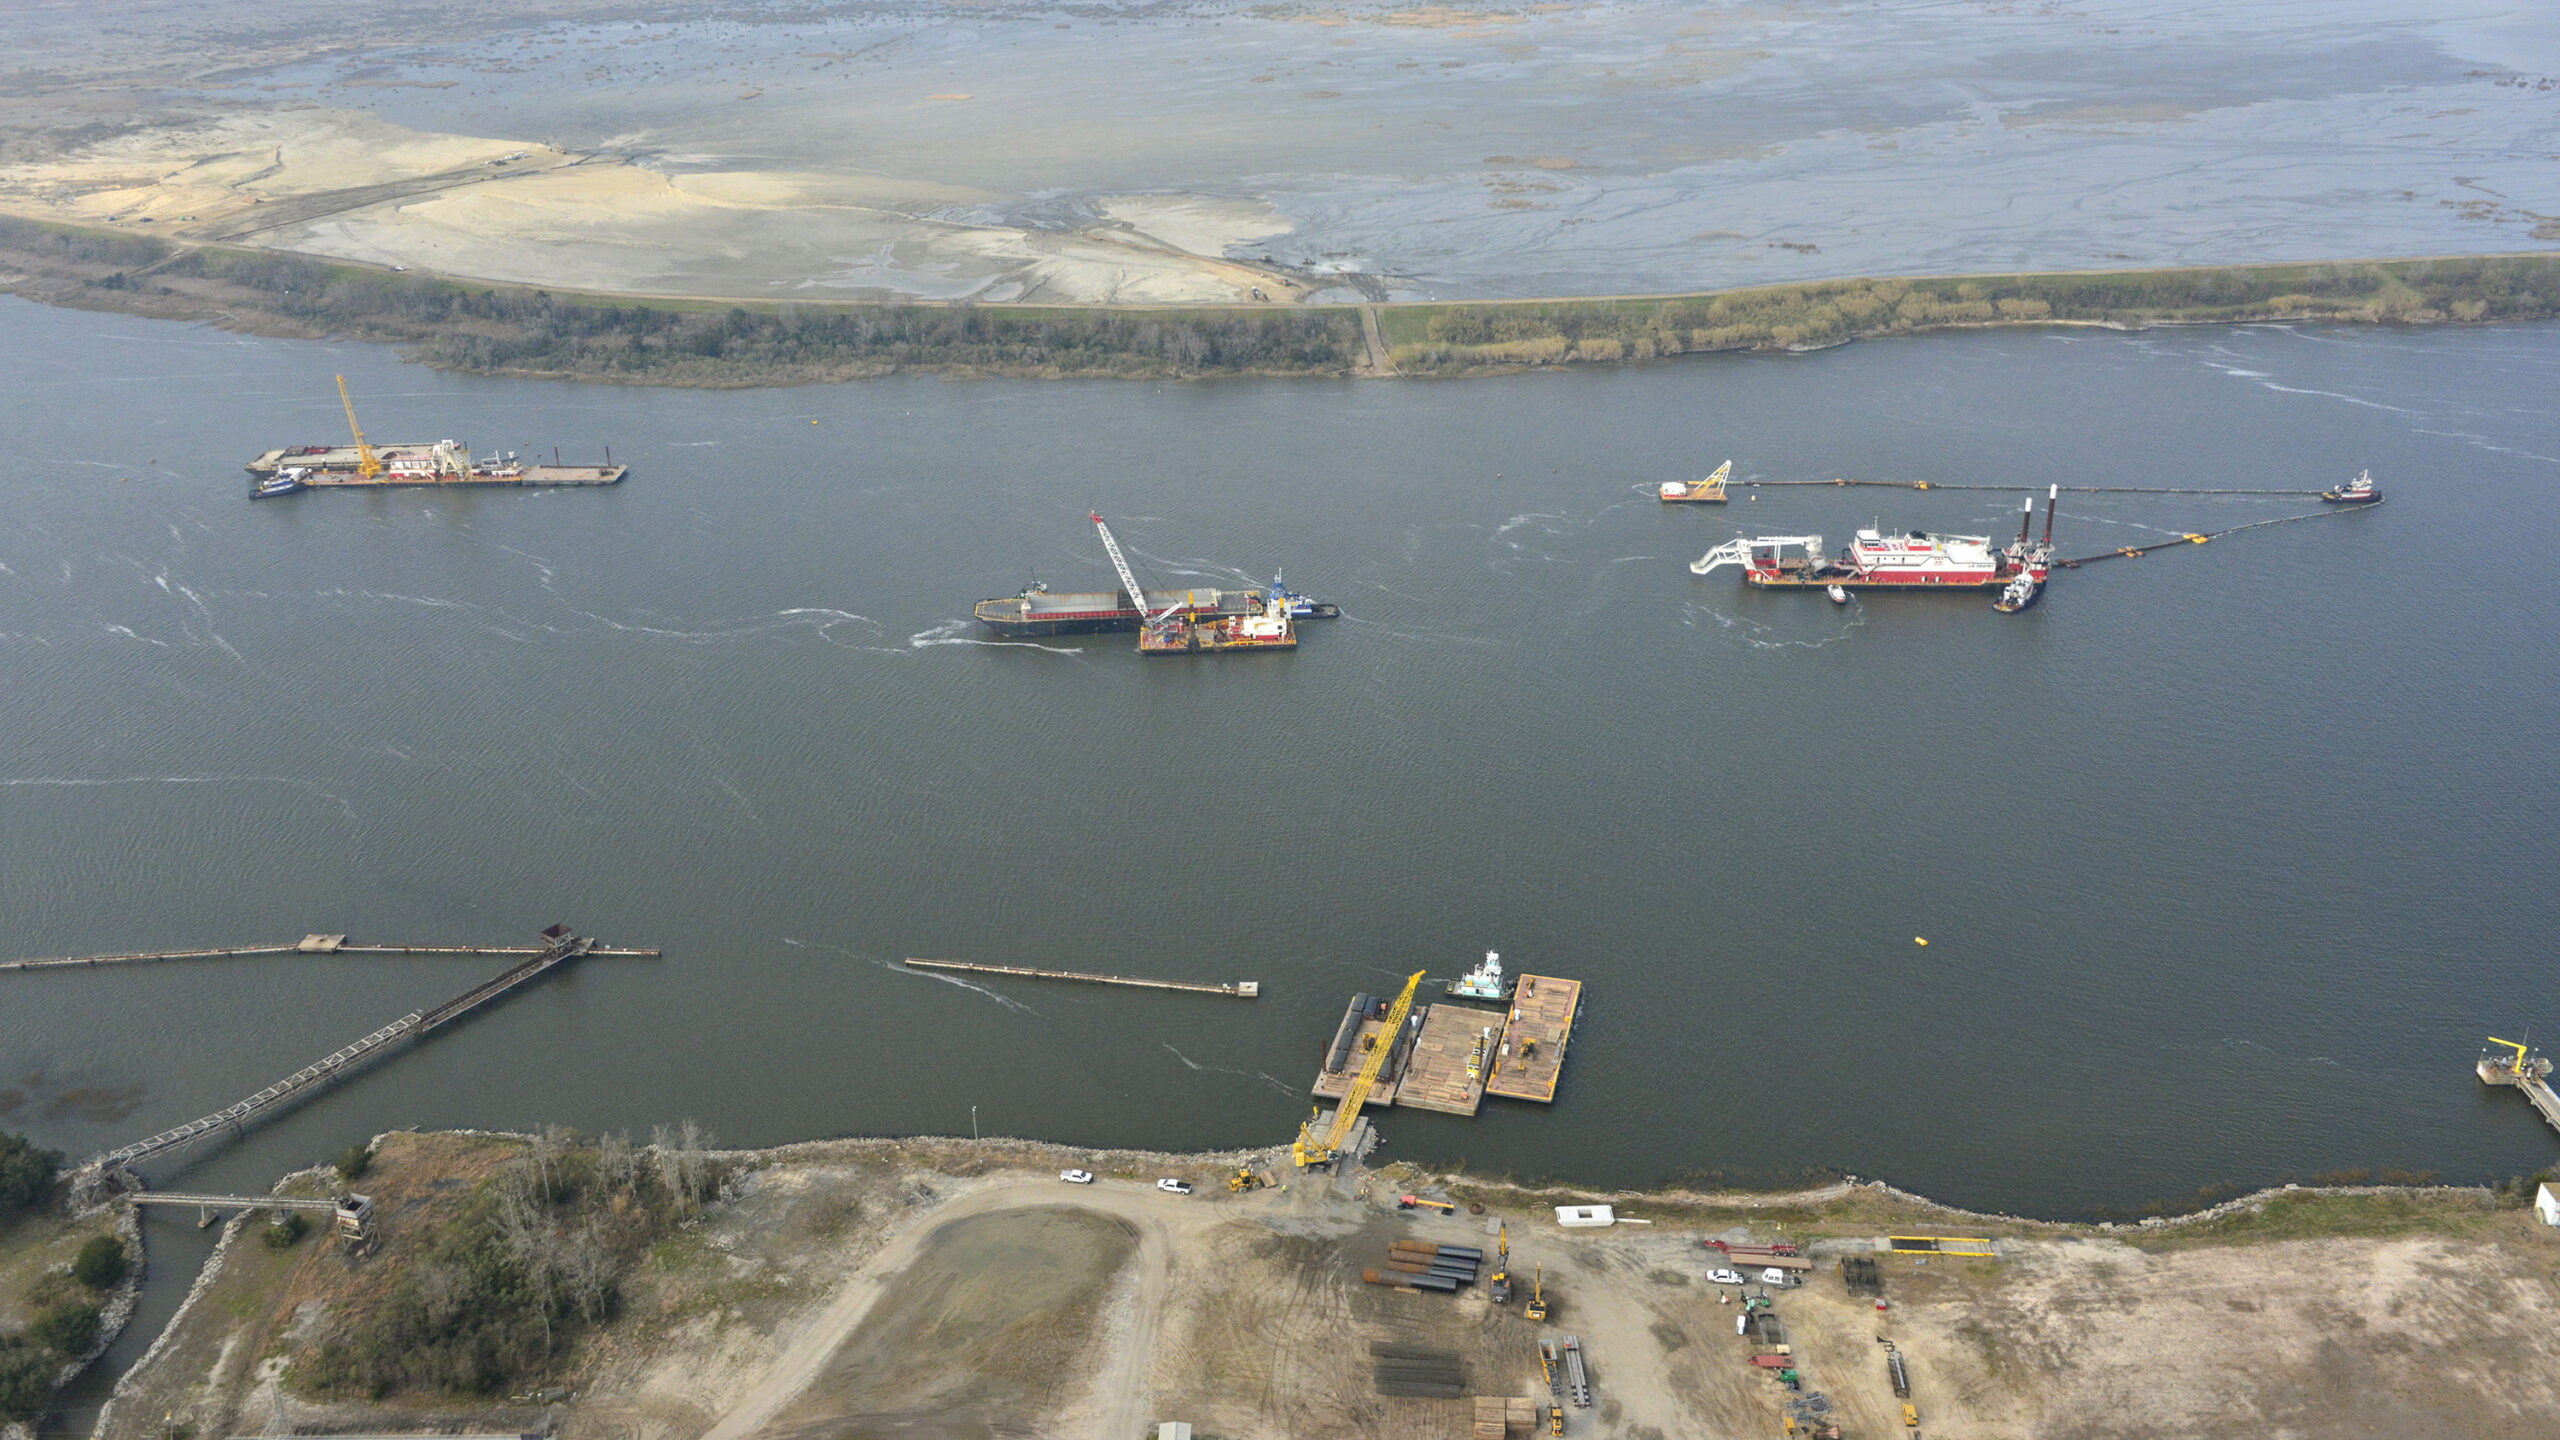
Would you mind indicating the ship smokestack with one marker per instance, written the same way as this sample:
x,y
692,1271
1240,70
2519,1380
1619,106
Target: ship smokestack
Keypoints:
x,y
2051,501
2026,517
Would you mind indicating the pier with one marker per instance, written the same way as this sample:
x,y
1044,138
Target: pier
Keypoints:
x,y
559,947
307,945
2528,1072
1242,989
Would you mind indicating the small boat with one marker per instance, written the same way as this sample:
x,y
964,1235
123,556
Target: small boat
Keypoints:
x,y
1485,982
1709,491
2359,491
2021,593
1838,595
283,482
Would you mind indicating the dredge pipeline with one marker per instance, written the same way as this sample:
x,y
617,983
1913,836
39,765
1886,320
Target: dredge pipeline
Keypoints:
x,y
2136,552
2083,489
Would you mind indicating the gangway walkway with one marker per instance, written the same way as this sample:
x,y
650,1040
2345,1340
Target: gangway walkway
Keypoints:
x,y
307,945
559,948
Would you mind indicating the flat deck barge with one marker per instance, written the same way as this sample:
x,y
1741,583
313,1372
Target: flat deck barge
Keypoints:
x,y
1361,1031
1531,1058
1451,1060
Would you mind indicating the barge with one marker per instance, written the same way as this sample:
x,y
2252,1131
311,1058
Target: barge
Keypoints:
x,y
1036,611
1709,491
1270,628
443,462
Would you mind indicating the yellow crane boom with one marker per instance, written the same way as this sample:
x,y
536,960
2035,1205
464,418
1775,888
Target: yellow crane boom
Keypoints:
x,y
1311,1151
368,464
2518,1067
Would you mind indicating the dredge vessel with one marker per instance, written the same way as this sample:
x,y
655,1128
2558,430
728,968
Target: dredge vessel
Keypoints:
x,y
444,462
1914,560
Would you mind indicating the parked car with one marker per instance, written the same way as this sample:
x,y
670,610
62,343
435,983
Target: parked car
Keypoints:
x,y
1171,1186
1777,1278
1724,1277
1076,1177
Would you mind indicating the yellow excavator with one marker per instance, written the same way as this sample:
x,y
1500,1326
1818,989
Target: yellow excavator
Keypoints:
x,y
1311,1149
1500,1285
1538,1295
368,464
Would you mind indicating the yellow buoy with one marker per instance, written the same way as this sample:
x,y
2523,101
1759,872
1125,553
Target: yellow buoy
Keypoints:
x,y
1919,940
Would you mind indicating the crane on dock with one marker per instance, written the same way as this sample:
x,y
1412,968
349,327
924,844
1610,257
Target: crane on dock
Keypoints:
x,y
368,464
1310,1150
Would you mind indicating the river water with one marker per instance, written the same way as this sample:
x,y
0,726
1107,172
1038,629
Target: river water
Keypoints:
x,y
2228,858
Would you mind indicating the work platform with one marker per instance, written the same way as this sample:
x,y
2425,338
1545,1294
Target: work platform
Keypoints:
x,y
1531,1059
1460,1054
1447,1067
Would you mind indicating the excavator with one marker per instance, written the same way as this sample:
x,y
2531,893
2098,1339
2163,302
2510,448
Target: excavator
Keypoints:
x,y
1538,1295
1499,1287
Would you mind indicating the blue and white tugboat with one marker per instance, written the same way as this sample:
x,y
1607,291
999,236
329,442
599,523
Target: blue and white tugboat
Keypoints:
x,y
1485,982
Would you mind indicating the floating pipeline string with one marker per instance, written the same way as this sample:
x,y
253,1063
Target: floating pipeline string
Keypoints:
x,y
2028,489
2135,552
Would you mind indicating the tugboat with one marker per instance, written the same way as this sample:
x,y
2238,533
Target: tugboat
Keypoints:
x,y
284,482
1485,982
2359,491
1709,491
2022,592
1301,607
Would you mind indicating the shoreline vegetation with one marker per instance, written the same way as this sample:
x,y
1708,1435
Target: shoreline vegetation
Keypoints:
x,y
497,329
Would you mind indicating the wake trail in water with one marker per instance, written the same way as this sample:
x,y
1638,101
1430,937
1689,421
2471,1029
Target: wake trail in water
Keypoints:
x,y
950,632
1006,1001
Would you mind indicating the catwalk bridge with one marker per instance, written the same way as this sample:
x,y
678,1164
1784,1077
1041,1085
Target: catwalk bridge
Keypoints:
x,y
559,947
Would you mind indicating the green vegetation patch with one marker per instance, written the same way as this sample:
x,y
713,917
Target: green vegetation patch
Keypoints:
x,y
1459,338
498,1291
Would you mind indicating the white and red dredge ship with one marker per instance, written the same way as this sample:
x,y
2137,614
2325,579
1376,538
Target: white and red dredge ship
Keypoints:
x,y
1914,560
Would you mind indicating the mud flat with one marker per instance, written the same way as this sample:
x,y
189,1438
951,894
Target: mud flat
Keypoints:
x,y
935,1288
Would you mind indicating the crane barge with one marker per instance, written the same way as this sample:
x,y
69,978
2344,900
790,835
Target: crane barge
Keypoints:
x,y
415,462
1168,622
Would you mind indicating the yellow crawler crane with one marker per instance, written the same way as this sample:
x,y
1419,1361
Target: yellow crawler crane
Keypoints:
x,y
1308,1150
368,464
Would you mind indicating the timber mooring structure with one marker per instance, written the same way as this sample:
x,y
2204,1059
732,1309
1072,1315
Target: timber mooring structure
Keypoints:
x,y
559,947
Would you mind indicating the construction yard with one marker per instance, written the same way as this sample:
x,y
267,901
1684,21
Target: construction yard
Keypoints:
x,y
948,1290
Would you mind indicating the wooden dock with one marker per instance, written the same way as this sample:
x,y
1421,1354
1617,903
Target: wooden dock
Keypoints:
x,y
1241,989
1451,1059
307,945
559,947
1531,1058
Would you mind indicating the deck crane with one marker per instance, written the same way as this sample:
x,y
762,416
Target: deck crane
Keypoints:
x,y
1129,578
1311,1150
368,464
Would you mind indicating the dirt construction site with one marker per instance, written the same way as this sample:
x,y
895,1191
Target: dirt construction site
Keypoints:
x,y
932,1290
